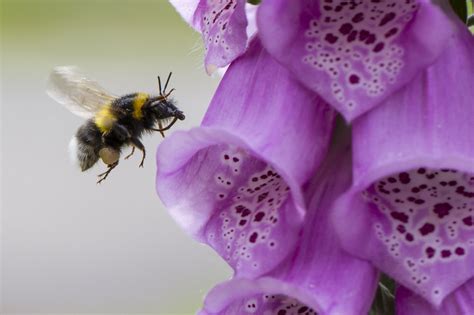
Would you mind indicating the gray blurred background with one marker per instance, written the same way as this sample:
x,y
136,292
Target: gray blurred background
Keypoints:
x,y
67,244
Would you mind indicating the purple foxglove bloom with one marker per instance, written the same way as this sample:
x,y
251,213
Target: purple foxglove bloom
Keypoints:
x,y
353,53
235,182
223,25
319,277
460,302
411,207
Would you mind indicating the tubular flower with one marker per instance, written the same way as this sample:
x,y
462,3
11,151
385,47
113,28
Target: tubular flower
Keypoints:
x,y
235,182
223,25
412,200
460,302
353,53
319,277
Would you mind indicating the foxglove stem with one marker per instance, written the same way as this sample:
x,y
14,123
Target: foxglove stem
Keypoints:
x,y
235,182
412,200
354,53
319,277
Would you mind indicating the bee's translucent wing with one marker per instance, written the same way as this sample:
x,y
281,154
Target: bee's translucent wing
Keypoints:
x,y
82,96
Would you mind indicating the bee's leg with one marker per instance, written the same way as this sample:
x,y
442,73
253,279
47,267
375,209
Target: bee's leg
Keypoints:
x,y
103,176
131,153
137,143
165,128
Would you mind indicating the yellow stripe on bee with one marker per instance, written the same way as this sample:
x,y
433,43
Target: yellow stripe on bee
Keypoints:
x,y
105,119
138,103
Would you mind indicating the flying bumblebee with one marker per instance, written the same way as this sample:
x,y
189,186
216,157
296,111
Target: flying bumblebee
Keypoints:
x,y
112,122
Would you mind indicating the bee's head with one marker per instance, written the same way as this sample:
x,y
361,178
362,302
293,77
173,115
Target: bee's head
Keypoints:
x,y
165,108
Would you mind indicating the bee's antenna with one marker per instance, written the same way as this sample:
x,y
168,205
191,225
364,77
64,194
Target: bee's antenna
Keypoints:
x,y
159,85
167,81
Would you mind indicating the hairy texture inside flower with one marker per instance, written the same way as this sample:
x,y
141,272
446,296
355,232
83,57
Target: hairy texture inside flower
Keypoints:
x,y
353,43
266,304
353,53
426,217
254,220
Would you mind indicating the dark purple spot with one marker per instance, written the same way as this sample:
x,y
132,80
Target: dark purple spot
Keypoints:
x,y
390,33
421,171
401,228
263,177
387,18
345,28
462,191
262,197
370,39
430,252
419,201
352,36
330,38
363,34
468,221
404,178
409,237
426,229
302,309
453,183
254,179
281,312
445,253
459,251
253,237
400,216
354,79
245,213
226,157
379,47
359,17
235,159
442,209
242,222
239,208
259,216
415,190
221,195
392,180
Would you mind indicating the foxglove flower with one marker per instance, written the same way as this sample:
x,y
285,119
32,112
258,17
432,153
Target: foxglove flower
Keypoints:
x,y
353,53
319,277
235,182
410,209
225,25
460,302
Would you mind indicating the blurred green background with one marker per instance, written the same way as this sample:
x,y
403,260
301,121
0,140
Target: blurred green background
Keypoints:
x,y
69,245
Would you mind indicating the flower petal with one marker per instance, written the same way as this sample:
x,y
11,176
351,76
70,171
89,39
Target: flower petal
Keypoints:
x,y
460,302
320,277
412,201
235,182
223,25
353,53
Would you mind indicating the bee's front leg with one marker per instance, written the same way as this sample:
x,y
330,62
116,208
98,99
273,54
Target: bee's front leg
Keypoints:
x,y
137,143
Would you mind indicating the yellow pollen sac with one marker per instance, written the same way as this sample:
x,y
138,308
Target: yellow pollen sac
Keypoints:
x,y
105,119
138,103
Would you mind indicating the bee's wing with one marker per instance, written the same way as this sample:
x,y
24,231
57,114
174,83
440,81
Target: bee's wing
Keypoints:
x,y
82,96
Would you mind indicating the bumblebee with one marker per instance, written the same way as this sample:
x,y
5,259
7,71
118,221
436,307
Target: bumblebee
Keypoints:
x,y
112,122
